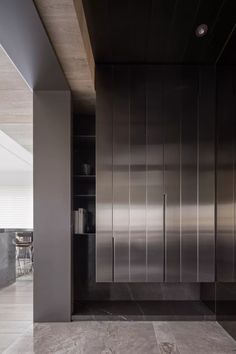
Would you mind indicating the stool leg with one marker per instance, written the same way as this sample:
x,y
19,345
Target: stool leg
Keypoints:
x,y
25,259
18,261
30,255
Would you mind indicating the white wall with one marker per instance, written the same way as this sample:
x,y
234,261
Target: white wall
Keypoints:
x,y
16,185
16,206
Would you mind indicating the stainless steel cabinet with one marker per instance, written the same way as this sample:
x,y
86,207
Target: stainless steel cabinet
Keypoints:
x,y
155,174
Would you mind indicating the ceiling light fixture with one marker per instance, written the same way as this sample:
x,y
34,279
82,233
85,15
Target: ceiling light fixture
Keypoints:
x,y
201,30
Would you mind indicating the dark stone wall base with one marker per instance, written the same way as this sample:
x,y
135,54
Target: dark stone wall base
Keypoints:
x,y
143,311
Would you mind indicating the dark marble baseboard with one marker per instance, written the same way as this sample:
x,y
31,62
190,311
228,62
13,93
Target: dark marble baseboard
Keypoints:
x,y
229,325
142,311
85,287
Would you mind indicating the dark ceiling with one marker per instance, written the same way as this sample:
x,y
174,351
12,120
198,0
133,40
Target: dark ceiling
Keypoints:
x,y
228,55
158,31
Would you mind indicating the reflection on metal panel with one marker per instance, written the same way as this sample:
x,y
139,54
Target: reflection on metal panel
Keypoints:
x,y
225,175
104,261
206,182
189,174
121,174
137,176
171,117
155,146
155,175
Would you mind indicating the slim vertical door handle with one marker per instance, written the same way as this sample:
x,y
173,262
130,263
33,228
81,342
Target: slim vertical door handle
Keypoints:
x,y
113,258
164,235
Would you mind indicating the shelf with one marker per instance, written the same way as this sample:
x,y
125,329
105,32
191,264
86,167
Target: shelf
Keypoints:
x,y
86,138
84,176
86,234
85,195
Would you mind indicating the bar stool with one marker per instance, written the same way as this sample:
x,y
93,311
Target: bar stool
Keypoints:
x,y
24,253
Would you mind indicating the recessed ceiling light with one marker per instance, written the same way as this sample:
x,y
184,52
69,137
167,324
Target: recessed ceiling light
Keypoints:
x,y
201,30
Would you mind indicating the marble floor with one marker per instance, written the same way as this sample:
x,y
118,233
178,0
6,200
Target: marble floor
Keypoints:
x,y
16,311
18,335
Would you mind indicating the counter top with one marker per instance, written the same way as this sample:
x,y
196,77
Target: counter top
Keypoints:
x,y
15,230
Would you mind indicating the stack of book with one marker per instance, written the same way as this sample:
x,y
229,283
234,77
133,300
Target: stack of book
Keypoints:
x,y
80,219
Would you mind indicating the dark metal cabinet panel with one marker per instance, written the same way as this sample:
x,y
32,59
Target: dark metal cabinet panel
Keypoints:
x,y
137,175
104,158
121,174
206,178
154,183
171,117
189,175
225,175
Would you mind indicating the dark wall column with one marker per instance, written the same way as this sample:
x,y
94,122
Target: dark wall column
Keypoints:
x,y
52,205
226,198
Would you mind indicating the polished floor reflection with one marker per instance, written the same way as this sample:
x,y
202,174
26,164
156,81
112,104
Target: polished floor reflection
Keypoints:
x,y
19,336
16,310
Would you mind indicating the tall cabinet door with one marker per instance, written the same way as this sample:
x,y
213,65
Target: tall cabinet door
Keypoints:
x,y
104,175
171,125
154,175
206,174
189,175
138,241
121,172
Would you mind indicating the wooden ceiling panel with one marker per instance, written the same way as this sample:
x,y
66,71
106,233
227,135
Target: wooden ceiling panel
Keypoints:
x,y
61,22
10,77
16,104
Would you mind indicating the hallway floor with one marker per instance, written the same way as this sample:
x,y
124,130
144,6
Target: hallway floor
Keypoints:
x,y
16,311
19,336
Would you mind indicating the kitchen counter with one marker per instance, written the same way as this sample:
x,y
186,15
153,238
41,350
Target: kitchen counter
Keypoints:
x,y
7,258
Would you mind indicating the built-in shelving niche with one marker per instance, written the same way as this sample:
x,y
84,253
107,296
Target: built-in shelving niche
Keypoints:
x,y
84,196
84,185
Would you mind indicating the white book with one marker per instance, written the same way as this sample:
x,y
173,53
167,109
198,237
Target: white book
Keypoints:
x,y
76,221
79,221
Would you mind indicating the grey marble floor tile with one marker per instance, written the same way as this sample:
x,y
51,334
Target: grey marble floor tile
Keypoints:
x,y
9,327
89,338
6,340
16,313
24,344
202,338
165,338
